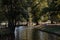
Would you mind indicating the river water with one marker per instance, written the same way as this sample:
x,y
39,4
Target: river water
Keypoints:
x,y
18,32
21,33
26,33
36,35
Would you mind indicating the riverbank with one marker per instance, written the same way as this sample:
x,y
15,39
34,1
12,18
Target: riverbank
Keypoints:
x,y
4,31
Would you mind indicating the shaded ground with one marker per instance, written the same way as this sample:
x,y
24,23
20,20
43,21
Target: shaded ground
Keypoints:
x,y
6,37
5,34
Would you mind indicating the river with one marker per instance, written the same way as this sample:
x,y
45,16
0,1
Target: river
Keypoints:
x,y
18,32
36,35
22,34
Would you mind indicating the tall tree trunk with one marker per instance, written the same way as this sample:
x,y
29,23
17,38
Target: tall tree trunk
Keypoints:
x,y
52,22
11,28
52,19
30,17
37,23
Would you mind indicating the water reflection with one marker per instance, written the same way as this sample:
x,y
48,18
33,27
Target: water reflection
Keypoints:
x,y
36,35
18,32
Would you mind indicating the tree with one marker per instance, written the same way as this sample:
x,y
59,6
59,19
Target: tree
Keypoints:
x,y
29,6
52,9
37,10
31,9
11,11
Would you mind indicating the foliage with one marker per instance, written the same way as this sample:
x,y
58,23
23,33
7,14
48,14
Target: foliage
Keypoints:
x,y
52,10
18,9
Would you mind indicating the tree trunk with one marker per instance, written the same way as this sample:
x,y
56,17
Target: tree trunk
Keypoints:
x,y
52,19
52,22
37,23
11,28
30,17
